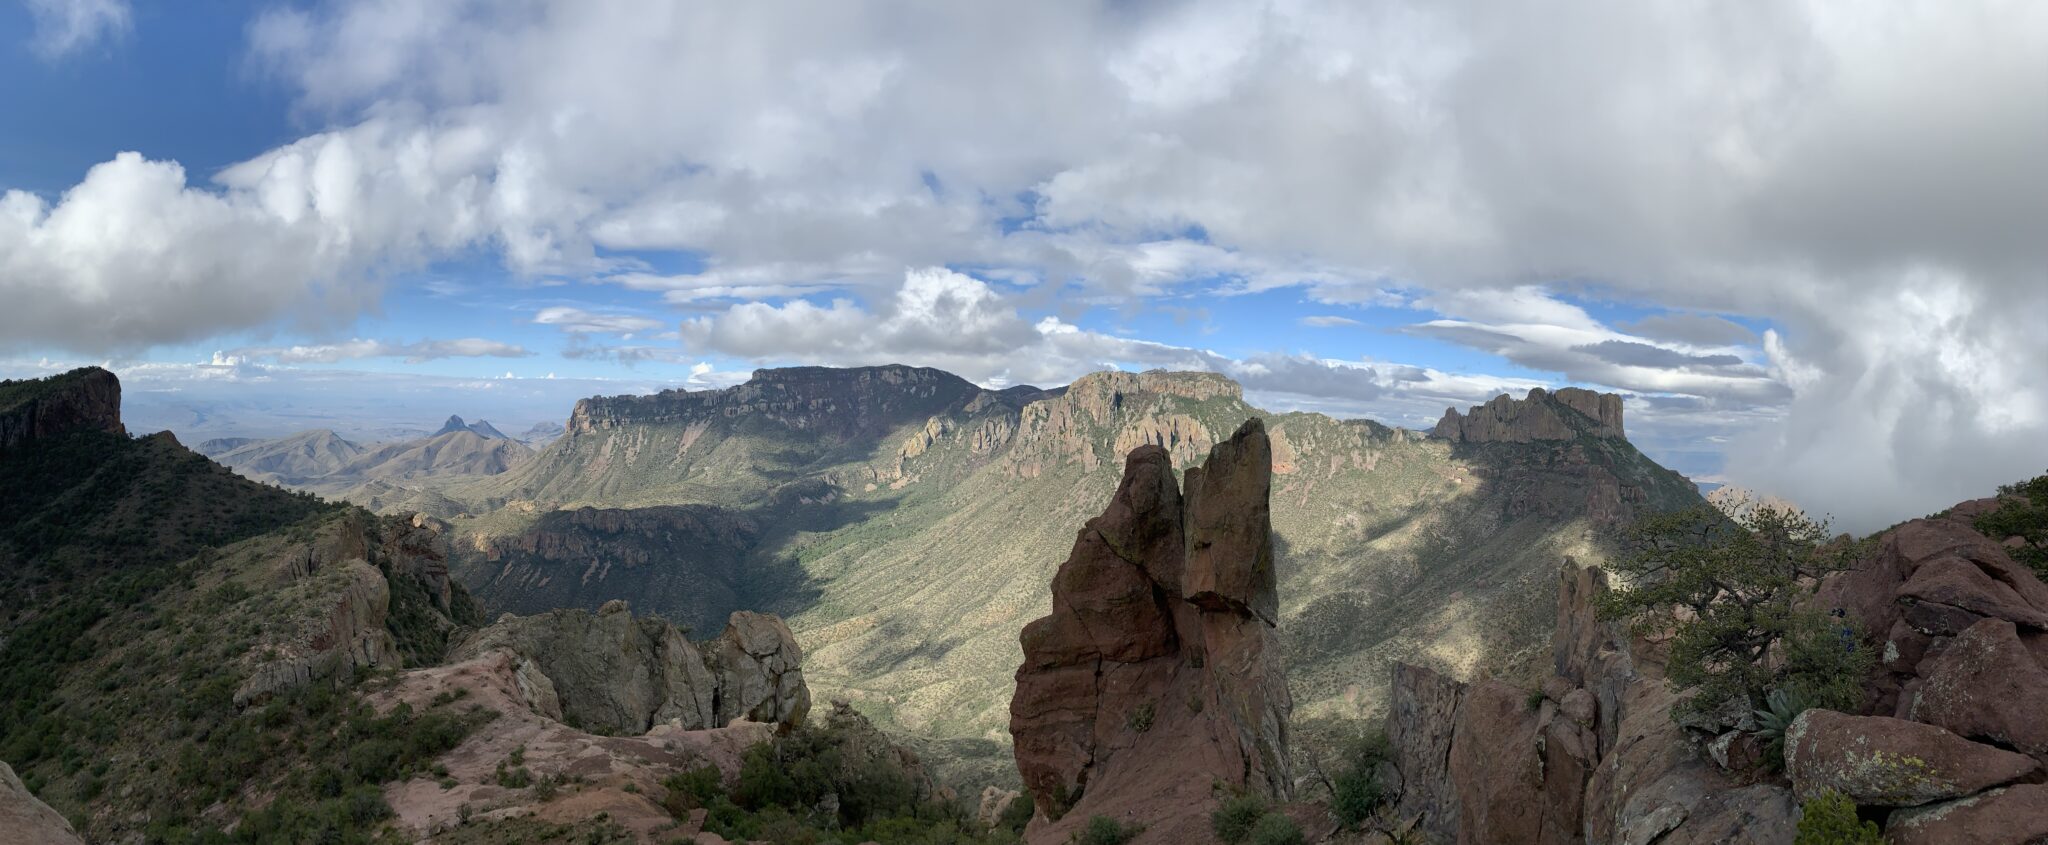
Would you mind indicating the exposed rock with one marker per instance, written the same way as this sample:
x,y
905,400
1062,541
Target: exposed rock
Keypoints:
x,y
1155,679
1422,713
610,670
759,671
994,801
1987,685
1520,774
2015,815
340,629
817,399
26,820
1877,760
1542,415
85,399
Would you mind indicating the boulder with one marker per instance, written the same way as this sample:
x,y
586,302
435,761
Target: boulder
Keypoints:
x,y
1953,581
1886,762
26,820
759,671
1157,676
1987,685
1520,774
2016,815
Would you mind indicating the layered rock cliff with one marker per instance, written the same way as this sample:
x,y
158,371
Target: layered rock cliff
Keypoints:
x,y
1563,414
85,399
1948,746
1157,676
817,399
613,672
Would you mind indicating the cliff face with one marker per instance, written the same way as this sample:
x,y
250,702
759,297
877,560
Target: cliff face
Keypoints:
x,y
1158,675
85,399
817,399
1947,747
1543,415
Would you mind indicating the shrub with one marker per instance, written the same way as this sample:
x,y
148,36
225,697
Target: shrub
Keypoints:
x,y
1233,820
1276,829
1018,813
1141,719
1103,830
2022,513
1830,819
1734,584
1356,791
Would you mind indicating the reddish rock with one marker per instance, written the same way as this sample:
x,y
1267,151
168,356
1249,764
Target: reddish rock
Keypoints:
x,y
1881,761
1422,712
1957,582
2015,815
1156,677
1520,774
25,819
1987,685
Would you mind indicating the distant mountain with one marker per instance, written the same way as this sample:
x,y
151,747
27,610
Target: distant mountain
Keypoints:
x,y
223,445
907,522
463,451
541,434
297,460
479,428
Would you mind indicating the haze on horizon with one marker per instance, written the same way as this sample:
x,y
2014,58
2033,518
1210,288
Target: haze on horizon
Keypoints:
x,y
1805,240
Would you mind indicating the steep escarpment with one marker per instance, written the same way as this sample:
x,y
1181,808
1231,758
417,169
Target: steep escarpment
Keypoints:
x,y
85,399
1156,679
1946,746
1542,415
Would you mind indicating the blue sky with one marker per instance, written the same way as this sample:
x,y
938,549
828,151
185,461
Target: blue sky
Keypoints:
x,y
368,215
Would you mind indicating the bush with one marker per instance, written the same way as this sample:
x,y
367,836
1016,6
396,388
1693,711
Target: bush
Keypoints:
x,y
1830,819
1018,813
1103,830
1277,829
1234,819
2022,513
1735,582
1356,791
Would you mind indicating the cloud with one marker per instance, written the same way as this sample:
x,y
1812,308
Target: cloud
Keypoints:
x,y
65,27
1327,321
580,321
1696,329
1778,164
413,353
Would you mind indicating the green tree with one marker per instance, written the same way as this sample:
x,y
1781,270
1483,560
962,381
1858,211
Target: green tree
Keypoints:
x,y
2022,512
1728,588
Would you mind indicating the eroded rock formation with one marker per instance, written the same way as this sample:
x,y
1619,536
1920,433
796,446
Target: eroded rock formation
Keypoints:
x,y
1542,415
625,675
1949,746
1157,678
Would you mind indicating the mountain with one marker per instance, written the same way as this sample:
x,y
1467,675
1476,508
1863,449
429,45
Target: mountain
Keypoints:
x,y
222,445
541,434
479,428
906,523
297,460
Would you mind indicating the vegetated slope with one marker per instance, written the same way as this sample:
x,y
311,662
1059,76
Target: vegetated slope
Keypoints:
x,y
300,458
923,518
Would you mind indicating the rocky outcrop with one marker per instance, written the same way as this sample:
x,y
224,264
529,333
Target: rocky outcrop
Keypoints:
x,y
1156,678
1950,742
338,629
1543,415
1132,409
1881,761
85,399
26,820
609,670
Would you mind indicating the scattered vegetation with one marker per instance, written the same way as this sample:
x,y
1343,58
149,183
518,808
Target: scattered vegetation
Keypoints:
x,y
2022,512
1234,819
1276,829
1356,793
1830,819
1734,585
1103,830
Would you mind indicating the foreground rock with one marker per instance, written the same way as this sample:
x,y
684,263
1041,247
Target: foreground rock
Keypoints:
x,y
1156,679
1878,760
1951,733
24,820
611,671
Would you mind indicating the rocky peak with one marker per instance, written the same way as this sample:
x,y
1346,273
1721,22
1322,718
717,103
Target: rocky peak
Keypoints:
x,y
85,399
1543,415
1157,675
821,399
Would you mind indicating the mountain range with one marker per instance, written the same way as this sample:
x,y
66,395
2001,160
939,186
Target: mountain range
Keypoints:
x,y
905,521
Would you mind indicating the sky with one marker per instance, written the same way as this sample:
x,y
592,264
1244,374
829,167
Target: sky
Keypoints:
x,y
1808,241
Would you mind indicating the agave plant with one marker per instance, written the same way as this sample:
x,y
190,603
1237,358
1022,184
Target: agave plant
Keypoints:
x,y
1780,708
